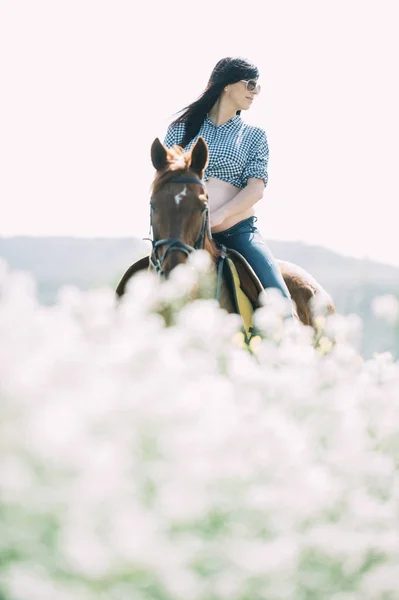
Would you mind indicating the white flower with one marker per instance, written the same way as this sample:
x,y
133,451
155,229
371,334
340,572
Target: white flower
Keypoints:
x,y
200,260
386,307
273,298
140,459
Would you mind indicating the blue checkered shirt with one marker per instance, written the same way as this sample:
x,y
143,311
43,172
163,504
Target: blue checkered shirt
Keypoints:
x,y
237,150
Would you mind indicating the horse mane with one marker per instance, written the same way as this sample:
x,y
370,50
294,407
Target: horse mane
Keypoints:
x,y
178,163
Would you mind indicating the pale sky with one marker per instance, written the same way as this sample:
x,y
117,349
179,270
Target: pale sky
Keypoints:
x,y
86,86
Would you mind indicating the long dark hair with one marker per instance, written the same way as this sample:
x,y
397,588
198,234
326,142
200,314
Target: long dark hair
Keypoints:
x,y
227,70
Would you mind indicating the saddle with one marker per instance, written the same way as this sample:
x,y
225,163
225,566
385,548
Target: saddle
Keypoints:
x,y
243,283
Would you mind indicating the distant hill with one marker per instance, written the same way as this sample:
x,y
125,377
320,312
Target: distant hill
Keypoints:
x,y
86,263
94,262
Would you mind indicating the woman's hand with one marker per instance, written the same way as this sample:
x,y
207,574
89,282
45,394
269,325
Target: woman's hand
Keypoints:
x,y
217,217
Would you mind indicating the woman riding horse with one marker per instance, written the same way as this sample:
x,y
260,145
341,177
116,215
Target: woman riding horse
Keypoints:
x,y
210,172
236,175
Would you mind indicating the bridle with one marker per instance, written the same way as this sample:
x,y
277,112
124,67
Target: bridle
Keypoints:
x,y
177,245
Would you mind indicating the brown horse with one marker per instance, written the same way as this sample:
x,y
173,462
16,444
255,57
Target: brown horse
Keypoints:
x,y
180,222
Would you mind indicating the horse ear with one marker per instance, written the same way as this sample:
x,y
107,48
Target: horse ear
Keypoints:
x,y
158,154
199,156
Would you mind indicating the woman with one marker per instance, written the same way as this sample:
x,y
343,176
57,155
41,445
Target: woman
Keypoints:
x,y
236,175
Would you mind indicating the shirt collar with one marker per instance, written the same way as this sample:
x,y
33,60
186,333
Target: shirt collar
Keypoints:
x,y
228,123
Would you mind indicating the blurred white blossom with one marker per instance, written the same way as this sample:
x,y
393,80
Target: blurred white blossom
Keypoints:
x,y
145,455
386,307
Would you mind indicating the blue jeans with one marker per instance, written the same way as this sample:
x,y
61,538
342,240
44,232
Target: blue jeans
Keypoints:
x,y
245,237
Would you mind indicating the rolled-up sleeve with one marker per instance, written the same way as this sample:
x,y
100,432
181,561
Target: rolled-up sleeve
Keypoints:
x,y
258,159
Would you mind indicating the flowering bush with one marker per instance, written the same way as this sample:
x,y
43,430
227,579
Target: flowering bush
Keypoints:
x,y
145,454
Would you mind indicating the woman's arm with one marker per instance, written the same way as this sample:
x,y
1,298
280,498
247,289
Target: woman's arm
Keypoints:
x,y
255,178
250,195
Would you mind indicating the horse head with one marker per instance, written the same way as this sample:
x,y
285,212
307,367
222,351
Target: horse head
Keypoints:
x,y
179,211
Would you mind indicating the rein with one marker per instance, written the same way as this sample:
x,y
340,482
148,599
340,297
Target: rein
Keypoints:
x,y
177,245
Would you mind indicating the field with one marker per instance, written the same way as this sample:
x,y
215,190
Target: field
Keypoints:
x,y
145,453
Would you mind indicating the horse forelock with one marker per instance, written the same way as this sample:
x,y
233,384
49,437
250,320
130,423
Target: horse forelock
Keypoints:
x,y
176,160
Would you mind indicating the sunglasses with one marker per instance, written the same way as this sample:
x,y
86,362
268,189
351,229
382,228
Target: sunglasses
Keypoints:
x,y
252,85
